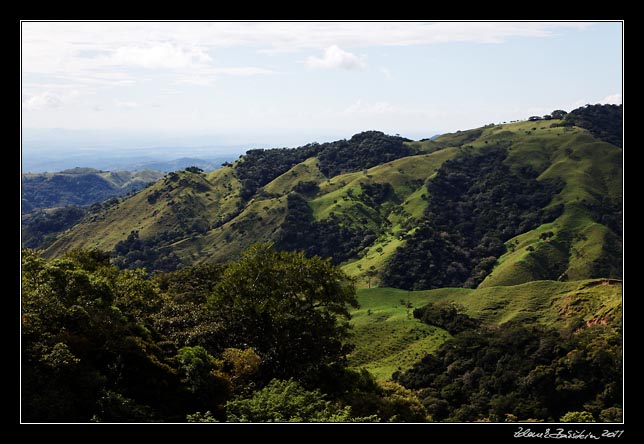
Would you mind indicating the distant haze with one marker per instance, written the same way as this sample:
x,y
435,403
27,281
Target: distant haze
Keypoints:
x,y
49,150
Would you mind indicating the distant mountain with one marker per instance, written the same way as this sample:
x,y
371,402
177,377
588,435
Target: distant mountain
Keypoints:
x,y
80,186
497,205
178,164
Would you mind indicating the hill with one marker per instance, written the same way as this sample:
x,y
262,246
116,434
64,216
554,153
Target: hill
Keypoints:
x,y
545,204
388,338
80,187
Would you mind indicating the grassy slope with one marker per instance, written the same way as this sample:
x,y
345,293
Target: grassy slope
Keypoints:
x,y
217,202
591,170
387,338
306,171
341,196
111,225
118,179
124,179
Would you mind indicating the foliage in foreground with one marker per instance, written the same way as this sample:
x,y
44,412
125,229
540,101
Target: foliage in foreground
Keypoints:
x,y
263,339
110,345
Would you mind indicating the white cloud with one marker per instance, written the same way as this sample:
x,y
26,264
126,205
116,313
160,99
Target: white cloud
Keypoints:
x,y
42,101
91,38
159,56
299,36
196,78
335,57
97,54
613,99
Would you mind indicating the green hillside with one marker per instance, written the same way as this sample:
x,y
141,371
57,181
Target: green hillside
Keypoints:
x,y
389,339
366,203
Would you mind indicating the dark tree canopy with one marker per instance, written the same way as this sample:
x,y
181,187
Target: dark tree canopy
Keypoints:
x,y
39,228
103,344
603,121
290,309
364,150
327,238
258,167
521,373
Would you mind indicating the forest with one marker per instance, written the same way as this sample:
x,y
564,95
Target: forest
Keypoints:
x,y
521,372
603,121
327,238
203,344
361,151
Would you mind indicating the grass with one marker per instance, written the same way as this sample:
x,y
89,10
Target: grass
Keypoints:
x,y
388,339
386,336
590,169
218,198
306,171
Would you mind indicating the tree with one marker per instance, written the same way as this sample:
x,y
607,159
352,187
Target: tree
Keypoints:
x,y
291,310
288,401
86,350
203,377
578,417
558,114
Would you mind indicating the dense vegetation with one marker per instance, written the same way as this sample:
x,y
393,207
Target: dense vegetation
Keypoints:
x,y
475,204
518,372
373,205
79,187
362,151
603,121
446,315
40,227
225,342
328,238
259,167
152,253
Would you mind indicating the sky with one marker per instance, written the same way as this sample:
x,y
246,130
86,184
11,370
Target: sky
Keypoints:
x,y
290,83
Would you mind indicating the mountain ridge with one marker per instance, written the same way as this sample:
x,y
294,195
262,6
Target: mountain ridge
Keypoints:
x,y
371,205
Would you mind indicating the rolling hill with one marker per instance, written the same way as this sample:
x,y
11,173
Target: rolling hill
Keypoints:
x,y
372,204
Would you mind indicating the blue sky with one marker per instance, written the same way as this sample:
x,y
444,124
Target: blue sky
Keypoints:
x,y
289,82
